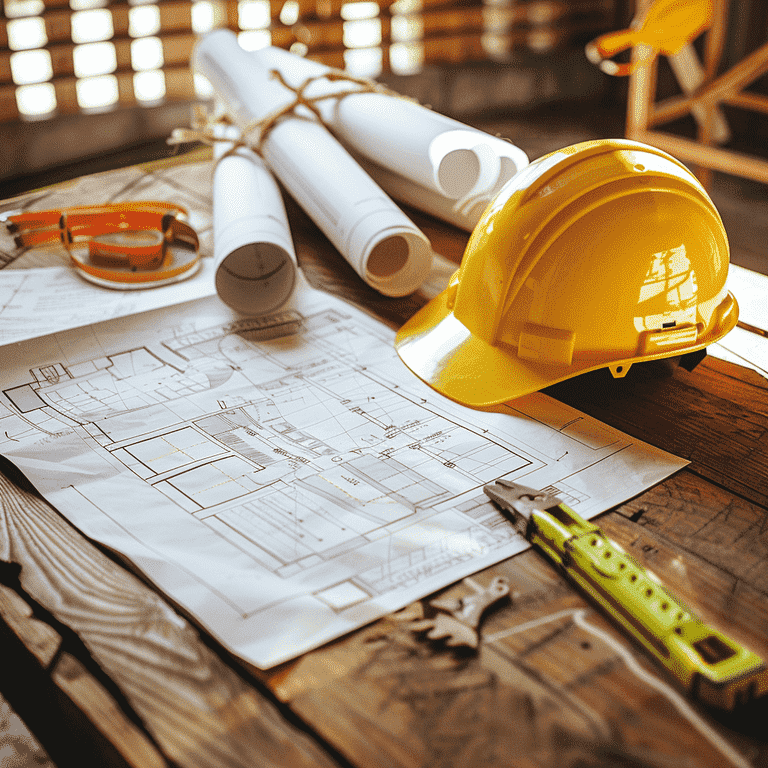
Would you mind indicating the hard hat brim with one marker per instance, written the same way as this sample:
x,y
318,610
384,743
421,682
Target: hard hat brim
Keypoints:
x,y
445,354
442,352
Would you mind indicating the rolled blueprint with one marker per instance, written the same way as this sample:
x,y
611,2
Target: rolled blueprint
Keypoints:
x,y
383,246
459,169
253,250
425,199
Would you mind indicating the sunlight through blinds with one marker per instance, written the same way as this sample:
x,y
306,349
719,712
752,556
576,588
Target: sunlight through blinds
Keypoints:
x,y
67,56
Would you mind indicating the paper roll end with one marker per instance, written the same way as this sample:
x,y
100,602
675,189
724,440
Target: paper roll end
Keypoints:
x,y
398,264
256,279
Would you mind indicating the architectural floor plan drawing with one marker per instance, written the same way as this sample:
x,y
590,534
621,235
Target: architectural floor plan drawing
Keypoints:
x,y
285,478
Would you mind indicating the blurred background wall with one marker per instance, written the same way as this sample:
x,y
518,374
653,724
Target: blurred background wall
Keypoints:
x,y
101,83
81,79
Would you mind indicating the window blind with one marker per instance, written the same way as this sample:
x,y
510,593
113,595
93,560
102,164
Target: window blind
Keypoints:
x,y
68,56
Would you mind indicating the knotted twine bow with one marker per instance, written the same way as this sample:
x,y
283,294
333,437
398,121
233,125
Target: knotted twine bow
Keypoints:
x,y
204,122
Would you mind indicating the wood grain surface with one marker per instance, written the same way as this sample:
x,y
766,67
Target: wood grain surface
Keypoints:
x,y
553,684
144,678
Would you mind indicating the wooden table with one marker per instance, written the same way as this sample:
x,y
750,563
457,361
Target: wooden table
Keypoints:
x,y
106,672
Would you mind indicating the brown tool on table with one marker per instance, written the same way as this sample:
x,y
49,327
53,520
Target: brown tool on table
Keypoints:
x,y
459,618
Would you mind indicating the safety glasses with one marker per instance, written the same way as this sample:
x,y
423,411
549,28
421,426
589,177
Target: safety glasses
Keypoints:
x,y
126,245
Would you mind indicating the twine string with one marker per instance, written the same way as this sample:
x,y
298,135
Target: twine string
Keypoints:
x,y
204,123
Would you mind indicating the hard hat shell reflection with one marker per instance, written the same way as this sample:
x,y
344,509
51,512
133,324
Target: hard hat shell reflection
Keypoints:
x,y
603,254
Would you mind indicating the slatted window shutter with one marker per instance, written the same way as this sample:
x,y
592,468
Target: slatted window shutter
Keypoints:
x,y
69,56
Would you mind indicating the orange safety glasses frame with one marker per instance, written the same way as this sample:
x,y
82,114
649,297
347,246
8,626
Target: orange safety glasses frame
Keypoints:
x,y
129,245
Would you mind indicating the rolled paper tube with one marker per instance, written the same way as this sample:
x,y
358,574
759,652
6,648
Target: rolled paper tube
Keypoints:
x,y
253,249
427,150
383,246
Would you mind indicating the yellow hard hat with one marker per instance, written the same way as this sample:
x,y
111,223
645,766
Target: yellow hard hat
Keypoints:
x,y
599,255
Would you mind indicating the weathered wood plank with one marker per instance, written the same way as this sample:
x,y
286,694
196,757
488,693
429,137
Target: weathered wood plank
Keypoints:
x,y
554,684
715,578
72,714
196,708
696,517
17,745
714,593
716,416
551,670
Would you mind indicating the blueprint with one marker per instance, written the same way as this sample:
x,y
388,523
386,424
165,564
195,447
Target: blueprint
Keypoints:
x,y
42,300
40,292
285,478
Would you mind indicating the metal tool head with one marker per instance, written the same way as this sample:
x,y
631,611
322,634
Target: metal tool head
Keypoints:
x,y
519,499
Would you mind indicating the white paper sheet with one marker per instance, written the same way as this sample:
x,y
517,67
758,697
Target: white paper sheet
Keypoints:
x,y
38,301
40,292
421,157
751,292
253,250
424,199
742,346
383,246
285,478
